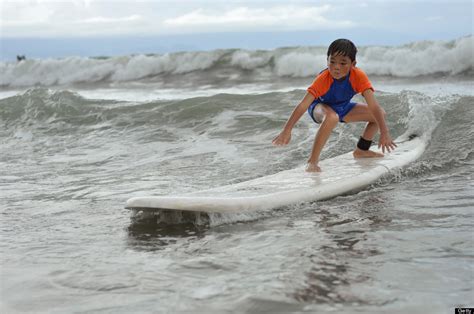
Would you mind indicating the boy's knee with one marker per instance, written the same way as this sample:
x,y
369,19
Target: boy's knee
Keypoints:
x,y
331,117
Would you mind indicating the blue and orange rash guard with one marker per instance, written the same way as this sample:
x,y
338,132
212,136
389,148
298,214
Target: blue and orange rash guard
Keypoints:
x,y
333,92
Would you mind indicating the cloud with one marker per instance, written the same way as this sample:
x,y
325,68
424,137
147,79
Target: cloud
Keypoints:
x,y
69,18
281,17
108,20
46,18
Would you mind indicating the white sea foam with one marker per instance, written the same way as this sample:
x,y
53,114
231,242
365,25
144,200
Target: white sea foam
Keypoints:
x,y
249,60
422,58
298,64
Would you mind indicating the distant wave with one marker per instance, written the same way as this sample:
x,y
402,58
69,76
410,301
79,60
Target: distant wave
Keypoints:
x,y
415,59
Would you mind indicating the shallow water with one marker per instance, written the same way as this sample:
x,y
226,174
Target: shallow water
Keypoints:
x,y
71,157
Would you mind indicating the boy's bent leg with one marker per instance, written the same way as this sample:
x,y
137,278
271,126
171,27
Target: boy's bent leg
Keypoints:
x,y
361,113
331,119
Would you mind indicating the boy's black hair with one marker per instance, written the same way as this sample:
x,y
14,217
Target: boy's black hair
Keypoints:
x,y
343,47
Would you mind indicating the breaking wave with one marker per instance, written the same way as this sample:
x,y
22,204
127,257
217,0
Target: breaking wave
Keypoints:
x,y
421,58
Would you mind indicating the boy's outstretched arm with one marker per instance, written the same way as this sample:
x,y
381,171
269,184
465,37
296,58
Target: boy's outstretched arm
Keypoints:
x,y
285,136
385,141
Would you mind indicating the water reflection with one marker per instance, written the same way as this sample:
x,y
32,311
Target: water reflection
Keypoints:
x,y
334,270
154,230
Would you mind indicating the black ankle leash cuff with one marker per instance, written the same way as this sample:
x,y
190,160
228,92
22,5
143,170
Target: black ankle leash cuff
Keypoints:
x,y
363,144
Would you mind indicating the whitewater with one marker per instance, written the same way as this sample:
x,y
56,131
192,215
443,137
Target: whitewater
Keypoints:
x,y
411,60
79,136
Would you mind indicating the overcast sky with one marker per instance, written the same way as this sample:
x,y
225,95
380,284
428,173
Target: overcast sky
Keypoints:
x,y
72,18
92,27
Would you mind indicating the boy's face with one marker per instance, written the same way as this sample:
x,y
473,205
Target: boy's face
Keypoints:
x,y
339,66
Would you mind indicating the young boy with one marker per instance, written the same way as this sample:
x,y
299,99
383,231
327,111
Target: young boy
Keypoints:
x,y
328,101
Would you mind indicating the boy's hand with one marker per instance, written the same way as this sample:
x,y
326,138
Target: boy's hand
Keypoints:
x,y
282,139
386,142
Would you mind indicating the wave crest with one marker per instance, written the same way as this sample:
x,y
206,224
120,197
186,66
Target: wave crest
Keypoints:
x,y
416,59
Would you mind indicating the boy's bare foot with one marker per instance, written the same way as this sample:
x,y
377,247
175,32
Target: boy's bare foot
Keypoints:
x,y
310,167
359,153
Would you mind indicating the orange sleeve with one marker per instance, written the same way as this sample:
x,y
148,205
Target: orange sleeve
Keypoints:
x,y
321,84
360,81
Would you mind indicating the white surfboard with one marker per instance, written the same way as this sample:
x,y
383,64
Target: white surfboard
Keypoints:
x,y
339,175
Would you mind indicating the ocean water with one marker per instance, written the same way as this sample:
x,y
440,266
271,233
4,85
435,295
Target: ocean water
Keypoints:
x,y
79,136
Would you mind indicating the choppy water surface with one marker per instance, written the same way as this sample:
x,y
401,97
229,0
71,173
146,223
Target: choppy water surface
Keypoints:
x,y
69,161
